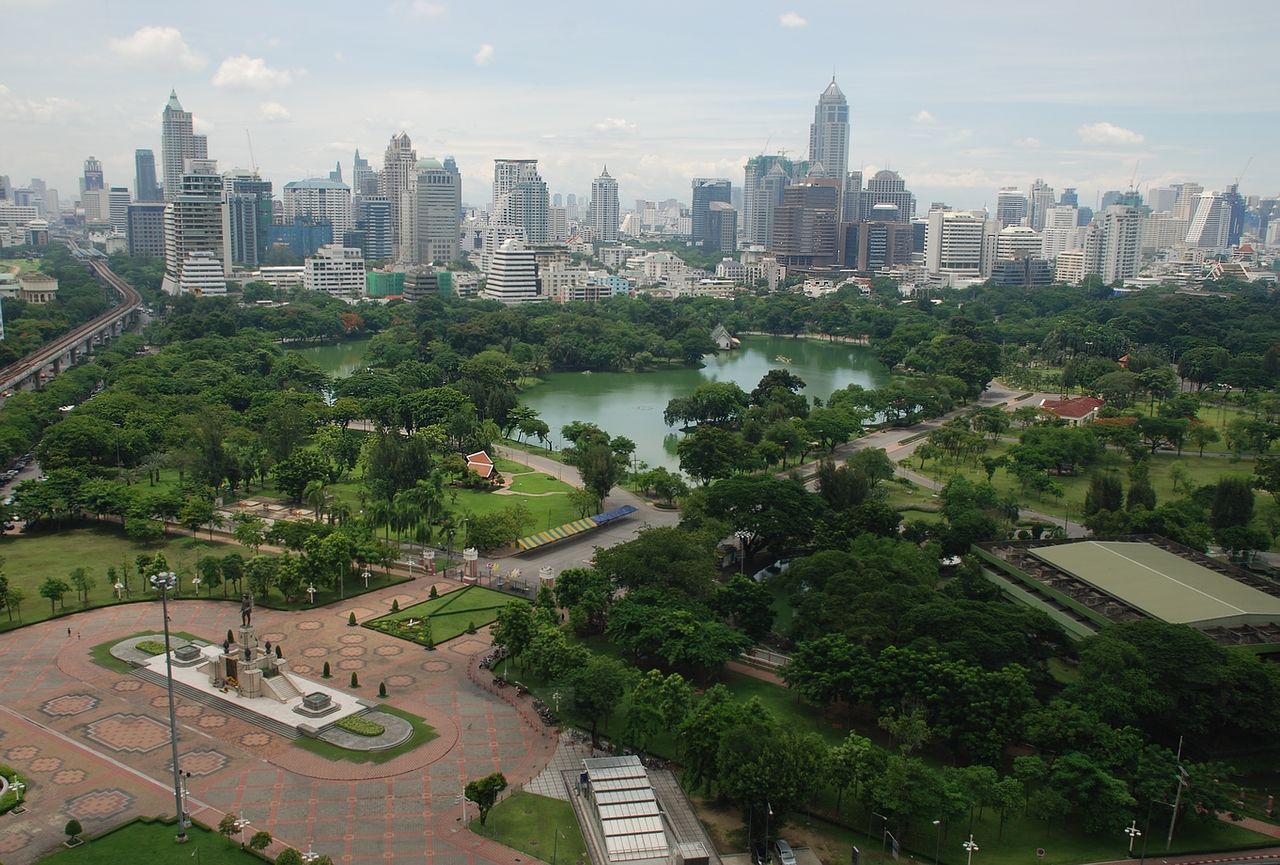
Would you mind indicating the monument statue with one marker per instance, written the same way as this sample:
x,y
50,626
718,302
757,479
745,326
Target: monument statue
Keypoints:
x,y
246,610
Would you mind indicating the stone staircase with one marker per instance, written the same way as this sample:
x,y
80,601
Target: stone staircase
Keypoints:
x,y
232,706
281,687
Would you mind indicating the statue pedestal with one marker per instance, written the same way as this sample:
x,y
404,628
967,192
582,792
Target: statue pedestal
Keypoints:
x,y
251,683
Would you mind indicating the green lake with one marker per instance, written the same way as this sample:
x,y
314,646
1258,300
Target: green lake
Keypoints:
x,y
631,404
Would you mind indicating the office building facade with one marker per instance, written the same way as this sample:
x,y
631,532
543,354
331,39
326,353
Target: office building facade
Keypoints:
x,y
605,211
145,187
706,190
178,143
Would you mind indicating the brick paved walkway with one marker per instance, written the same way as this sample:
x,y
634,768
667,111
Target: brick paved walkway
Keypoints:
x,y
95,742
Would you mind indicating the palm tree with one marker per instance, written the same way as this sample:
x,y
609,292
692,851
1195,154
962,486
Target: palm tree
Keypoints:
x,y
314,494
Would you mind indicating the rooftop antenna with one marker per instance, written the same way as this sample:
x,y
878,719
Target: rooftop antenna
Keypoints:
x,y
252,159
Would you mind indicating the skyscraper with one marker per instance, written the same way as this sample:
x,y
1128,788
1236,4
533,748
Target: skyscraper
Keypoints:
x,y
92,175
1210,222
321,199
705,191
764,178
1011,206
393,182
960,243
722,228
373,220
248,201
436,214
364,180
513,274
118,209
829,134
805,224
886,187
1041,200
195,236
604,208
145,187
1069,197
1121,242
520,204
178,143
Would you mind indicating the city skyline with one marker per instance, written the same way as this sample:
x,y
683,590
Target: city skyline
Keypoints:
x,y
959,108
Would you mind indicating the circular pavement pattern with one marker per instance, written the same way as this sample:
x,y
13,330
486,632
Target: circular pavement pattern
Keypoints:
x,y
436,666
69,776
13,841
401,680
99,804
300,669
351,639
127,685
389,651
314,652
46,764
255,740
22,752
273,637
309,625
351,664
210,722
188,711
351,651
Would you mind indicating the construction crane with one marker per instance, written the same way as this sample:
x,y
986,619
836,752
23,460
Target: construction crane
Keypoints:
x,y
1243,171
252,159
1133,177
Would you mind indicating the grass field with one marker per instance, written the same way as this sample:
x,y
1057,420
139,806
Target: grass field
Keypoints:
x,y
538,483
101,653
530,823
29,559
449,615
144,841
422,734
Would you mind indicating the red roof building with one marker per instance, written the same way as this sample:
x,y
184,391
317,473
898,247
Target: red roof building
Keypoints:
x,y
1076,410
480,463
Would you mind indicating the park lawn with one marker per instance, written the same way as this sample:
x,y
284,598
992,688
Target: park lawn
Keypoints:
x,y
152,841
450,615
546,511
510,467
538,483
530,448
529,823
30,558
101,653
422,734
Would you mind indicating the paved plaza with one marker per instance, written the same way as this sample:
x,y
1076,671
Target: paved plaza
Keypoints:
x,y
94,744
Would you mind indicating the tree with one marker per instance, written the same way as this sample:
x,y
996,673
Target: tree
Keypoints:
x,y
1202,434
709,452
260,840
260,573
1141,493
196,511
83,583
747,605
601,470
53,589
227,827
250,530
767,512
300,468
72,830
210,570
1160,432
1232,502
484,792
597,686
289,856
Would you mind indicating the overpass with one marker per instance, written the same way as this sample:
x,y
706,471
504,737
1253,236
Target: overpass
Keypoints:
x,y
72,347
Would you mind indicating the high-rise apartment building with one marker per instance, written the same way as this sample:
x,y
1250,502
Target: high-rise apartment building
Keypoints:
x,y
1011,206
764,178
1161,199
1062,231
373,220
145,187
605,210
196,232
722,228
364,179
118,209
178,143
1121,243
248,201
1186,197
335,269
1042,198
886,187
705,191
520,204
1016,242
321,199
395,178
1162,230
92,179
829,136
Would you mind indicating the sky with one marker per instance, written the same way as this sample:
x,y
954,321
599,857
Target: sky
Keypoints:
x,y
961,99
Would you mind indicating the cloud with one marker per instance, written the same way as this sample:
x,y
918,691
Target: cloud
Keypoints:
x,y
419,8
35,110
1108,133
792,20
924,118
274,112
1027,142
157,45
611,124
339,56
484,56
251,72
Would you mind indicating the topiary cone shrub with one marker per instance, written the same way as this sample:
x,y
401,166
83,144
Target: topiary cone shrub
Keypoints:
x,y
382,689
351,619
395,605
326,674
355,680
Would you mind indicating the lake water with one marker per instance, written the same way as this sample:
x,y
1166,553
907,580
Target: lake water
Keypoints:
x,y
631,404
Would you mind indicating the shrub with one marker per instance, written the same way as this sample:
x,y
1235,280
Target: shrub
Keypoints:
x,y
355,680
351,619
433,594
289,856
395,605
360,726
279,654
382,689
72,829
326,674
151,647
260,841
230,638
471,627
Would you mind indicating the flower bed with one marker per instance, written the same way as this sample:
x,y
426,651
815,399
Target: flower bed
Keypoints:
x,y
360,726
151,647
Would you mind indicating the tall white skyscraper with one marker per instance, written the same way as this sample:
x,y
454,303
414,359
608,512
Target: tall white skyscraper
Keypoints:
x,y
1042,198
604,208
321,199
118,208
397,174
1210,221
520,204
1011,206
195,233
1062,230
960,243
1121,242
512,276
829,135
178,143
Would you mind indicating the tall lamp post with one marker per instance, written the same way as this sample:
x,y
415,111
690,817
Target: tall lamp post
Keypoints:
x,y
241,824
970,848
883,826
17,786
164,583
1132,831
937,844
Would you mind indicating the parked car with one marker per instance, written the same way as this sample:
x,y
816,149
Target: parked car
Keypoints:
x,y
785,855
778,567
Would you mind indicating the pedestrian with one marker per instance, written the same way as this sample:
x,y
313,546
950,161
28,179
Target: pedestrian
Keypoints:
x,y
77,635
68,632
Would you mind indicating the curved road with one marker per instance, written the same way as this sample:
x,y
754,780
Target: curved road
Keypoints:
x,y
130,300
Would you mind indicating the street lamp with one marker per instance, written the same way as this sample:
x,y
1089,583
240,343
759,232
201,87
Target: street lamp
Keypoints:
x,y
366,575
311,594
310,856
970,848
195,585
241,825
768,812
164,583
937,845
1132,831
18,787
885,825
